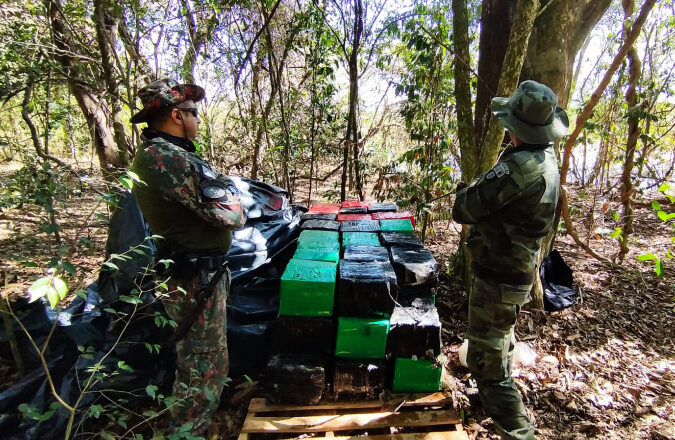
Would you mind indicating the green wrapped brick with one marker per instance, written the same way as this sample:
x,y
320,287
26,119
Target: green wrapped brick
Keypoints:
x,y
312,239
360,239
318,254
397,225
361,338
307,288
415,376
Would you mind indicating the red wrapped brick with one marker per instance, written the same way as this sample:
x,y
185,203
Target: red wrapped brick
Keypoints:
x,y
393,216
355,204
329,208
344,217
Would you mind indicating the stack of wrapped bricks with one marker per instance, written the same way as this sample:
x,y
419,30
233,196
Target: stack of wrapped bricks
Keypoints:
x,y
357,301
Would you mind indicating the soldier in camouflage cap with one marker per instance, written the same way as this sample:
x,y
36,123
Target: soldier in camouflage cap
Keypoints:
x,y
510,209
195,209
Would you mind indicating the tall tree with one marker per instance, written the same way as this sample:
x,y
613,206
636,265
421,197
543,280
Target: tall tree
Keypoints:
x,y
95,109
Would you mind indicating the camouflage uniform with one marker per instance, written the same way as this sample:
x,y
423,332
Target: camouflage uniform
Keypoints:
x,y
510,209
195,210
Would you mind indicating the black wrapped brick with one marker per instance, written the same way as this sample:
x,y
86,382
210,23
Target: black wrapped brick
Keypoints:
x,y
301,335
296,380
390,239
354,210
414,331
321,225
366,253
383,207
318,216
414,266
359,378
360,226
365,290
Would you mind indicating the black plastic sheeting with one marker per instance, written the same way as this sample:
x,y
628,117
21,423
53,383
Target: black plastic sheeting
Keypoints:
x,y
557,282
259,252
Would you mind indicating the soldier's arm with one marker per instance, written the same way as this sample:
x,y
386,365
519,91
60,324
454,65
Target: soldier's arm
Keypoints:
x,y
214,202
488,194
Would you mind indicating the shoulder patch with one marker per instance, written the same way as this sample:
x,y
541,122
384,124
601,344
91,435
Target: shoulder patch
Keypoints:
x,y
498,171
213,190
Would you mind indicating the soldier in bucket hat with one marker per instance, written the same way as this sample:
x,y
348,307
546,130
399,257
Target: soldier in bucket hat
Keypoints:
x,y
194,209
509,209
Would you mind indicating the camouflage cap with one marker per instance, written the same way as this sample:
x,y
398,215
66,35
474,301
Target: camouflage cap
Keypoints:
x,y
532,113
164,92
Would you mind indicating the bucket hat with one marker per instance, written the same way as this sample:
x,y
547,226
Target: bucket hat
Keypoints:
x,y
164,93
532,113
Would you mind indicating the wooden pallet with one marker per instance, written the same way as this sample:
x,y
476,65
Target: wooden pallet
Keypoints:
x,y
427,418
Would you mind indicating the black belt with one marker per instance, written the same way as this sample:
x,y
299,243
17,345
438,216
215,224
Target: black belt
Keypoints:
x,y
502,277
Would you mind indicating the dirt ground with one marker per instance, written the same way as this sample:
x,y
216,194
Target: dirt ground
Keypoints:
x,y
604,368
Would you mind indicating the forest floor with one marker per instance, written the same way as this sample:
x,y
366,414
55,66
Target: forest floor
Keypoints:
x,y
604,368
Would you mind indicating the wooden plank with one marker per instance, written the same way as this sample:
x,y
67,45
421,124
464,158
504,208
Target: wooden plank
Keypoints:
x,y
243,436
350,421
435,399
440,435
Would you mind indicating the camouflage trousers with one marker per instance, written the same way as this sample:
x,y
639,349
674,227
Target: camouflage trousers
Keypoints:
x,y
202,361
493,309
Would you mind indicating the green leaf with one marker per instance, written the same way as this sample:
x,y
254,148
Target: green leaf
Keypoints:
x,y
646,257
670,255
665,217
131,299
81,293
95,411
123,366
656,206
68,267
53,287
658,268
615,215
110,265
150,390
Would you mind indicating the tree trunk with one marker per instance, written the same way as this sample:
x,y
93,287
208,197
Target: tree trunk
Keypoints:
x,y
95,110
105,36
199,30
465,128
634,70
352,118
496,20
526,12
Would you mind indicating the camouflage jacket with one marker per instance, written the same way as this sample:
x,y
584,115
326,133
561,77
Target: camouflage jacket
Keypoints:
x,y
510,208
193,207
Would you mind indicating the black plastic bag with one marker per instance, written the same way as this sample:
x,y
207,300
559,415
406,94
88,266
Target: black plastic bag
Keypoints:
x,y
557,282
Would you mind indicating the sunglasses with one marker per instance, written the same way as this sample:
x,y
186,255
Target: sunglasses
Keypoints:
x,y
192,110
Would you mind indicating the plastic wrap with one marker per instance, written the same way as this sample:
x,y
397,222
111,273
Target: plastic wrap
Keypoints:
x,y
365,289
318,254
394,215
366,253
301,334
359,378
397,225
318,216
361,338
414,331
325,208
415,376
355,204
307,288
390,239
347,217
414,266
321,225
296,380
360,226
312,239
354,210
382,207
360,239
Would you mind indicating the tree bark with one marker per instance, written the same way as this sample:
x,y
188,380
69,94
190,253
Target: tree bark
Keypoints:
x,y
465,128
105,36
634,70
94,109
199,31
526,11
